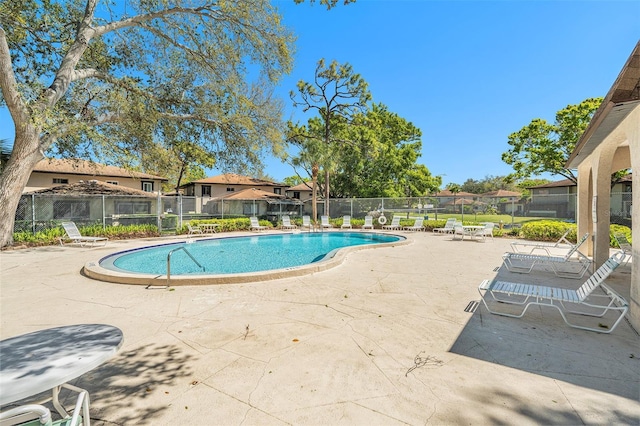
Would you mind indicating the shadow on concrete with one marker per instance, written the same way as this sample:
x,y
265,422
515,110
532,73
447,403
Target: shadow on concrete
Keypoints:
x,y
541,343
123,389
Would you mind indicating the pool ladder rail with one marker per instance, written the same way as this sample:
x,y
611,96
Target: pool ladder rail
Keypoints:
x,y
169,261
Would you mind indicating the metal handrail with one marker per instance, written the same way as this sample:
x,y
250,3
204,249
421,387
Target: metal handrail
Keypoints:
x,y
169,261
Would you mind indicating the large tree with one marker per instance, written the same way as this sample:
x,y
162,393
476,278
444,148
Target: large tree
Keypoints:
x,y
98,79
337,94
542,147
380,159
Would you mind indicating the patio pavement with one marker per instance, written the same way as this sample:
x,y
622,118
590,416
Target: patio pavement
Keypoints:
x,y
391,336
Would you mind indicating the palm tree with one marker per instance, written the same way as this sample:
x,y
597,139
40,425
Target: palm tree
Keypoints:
x,y
454,188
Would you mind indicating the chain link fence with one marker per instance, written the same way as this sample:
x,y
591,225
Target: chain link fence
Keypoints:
x,y
37,212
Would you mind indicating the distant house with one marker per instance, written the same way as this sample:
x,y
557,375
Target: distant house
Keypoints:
x,y
451,200
302,191
507,202
221,185
53,172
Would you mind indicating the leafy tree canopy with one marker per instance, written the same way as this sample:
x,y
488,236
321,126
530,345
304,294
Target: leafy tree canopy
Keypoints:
x,y
381,158
542,147
488,184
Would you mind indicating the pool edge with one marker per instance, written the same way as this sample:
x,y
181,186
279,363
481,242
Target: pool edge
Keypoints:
x,y
93,270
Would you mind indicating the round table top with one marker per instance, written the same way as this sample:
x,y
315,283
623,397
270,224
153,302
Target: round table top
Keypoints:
x,y
39,361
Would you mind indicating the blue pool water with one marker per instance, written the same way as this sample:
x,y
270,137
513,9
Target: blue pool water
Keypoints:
x,y
240,254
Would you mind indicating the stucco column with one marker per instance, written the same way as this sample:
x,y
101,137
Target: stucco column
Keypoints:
x,y
631,128
583,206
601,204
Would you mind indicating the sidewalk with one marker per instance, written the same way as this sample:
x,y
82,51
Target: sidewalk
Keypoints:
x,y
391,336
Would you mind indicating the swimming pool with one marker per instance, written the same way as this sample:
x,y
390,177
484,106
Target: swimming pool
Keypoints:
x,y
233,259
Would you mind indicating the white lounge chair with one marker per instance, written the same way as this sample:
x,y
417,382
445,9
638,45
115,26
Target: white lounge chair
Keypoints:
x,y
417,225
524,263
346,222
624,245
324,222
194,229
286,223
368,222
76,238
394,225
306,222
448,227
527,294
255,224
531,246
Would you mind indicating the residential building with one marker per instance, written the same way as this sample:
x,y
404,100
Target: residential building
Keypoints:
x,y
222,185
303,191
54,172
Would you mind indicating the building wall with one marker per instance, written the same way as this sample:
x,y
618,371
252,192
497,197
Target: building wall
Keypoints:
x,y
39,180
221,190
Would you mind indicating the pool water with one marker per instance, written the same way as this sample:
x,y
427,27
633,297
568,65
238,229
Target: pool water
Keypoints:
x,y
233,255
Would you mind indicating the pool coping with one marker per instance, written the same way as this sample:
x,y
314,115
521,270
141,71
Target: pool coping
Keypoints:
x,y
93,269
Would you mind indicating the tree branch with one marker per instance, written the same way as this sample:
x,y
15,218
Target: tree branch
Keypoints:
x,y
205,10
8,84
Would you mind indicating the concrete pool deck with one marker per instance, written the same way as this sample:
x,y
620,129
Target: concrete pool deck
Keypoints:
x,y
391,336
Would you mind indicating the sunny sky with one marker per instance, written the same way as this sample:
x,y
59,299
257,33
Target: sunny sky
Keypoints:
x,y
467,73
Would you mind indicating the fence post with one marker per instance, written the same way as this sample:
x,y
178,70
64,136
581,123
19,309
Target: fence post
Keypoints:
x,y
33,213
104,219
179,206
158,209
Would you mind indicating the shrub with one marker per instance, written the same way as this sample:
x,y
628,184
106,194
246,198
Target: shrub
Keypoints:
x,y
619,229
53,235
548,230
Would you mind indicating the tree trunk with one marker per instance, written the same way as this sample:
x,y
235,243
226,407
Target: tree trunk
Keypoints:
x,y
314,192
326,193
14,178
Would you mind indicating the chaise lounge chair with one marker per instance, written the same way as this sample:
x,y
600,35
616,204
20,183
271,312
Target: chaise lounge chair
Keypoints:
x,y
524,263
394,225
255,224
324,222
529,247
286,223
306,222
346,222
368,222
510,293
76,238
624,245
417,225
448,226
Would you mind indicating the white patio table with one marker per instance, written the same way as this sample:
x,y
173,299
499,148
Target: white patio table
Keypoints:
x,y
47,359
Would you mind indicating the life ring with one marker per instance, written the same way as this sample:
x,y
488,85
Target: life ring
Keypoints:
x,y
382,220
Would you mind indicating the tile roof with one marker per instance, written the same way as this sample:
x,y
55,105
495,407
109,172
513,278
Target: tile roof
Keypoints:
x,y
447,193
92,187
304,186
235,179
502,193
88,168
252,194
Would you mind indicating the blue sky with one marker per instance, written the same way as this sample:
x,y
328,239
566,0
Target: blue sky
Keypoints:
x,y
467,73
